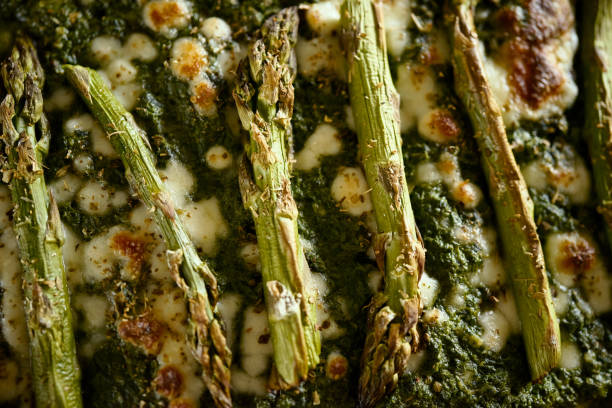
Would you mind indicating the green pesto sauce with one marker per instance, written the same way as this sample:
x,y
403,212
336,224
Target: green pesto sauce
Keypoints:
x,y
457,371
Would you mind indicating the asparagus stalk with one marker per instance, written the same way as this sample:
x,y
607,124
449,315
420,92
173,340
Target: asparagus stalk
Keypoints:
x,y
393,315
596,52
264,99
25,135
511,201
192,275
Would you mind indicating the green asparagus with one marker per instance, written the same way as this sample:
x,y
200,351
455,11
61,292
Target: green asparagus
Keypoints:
x,y
392,334
511,201
264,99
596,52
192,275
25,135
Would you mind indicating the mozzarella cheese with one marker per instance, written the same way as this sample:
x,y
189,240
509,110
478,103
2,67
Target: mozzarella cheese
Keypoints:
x,y
250,254
86,123
560,53
571,357
575,261
324,141
417,88
229,305
247,384
256,344
320,54
496,330
328,327
569,177
397,18
351,190
218,158
65,187
93,309
204,223
166,16
428,289
215,28
324,17
61,99
94,198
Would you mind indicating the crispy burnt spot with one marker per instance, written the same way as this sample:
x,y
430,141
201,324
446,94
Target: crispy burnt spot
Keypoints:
x,y
165,14
578,257
134,247
143,331
529,32
337,366
204,97
169,381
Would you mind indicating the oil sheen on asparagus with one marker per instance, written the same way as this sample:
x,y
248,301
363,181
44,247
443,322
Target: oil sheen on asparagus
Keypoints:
x,y
512,204
596,54
192,275
40,236
393,314
264,98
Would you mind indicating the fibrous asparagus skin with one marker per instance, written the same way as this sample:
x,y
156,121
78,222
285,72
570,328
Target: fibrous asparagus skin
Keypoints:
x,y
393,315
264,98
25,135
192,275
596,53
513,206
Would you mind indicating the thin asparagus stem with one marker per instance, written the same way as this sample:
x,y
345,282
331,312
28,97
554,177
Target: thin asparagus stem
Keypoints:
x,y
393,315
513,206
192,275
264,98
596,52
25,135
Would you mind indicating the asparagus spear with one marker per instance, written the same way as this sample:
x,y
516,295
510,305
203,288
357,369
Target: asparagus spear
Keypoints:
x,y
393,315
264,99
192,275
596,52
511,201
25,135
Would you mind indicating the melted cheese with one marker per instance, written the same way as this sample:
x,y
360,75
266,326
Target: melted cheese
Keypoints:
x,y
320,54
255,344
571,357
166,16
250,254
65,187
94,198
140,47
496,330
86,123
328,327
218,158
93,308
428,289
117,69
397,18
560,53
324,17
247,384
72,253
324,141
13,314
229,305
569,177
61,99
204,223
215,28
417,88
576,261
351,190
